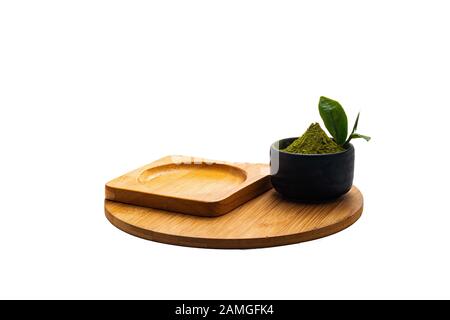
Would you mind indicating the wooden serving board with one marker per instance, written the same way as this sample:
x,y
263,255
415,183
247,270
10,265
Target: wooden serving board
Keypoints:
x,y
191,185
265,221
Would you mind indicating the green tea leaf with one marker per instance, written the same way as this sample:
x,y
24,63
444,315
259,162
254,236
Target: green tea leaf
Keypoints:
x,y
334,118
355,126
357,136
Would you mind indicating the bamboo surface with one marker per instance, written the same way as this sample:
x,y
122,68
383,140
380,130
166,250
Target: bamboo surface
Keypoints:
x,y
265,221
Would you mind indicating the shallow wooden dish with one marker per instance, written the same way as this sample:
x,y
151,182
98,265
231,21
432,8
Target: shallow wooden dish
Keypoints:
x,y
265,221
190,185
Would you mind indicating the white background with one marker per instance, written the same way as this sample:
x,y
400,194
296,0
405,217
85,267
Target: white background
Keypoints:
x,y
92,89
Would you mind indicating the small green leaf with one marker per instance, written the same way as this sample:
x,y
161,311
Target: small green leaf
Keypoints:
x,y
357,136
355,126
334,118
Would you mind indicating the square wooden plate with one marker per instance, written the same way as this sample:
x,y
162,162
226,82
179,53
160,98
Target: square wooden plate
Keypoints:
x,y
190,185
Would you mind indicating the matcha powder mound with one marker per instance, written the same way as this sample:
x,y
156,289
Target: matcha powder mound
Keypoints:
x,y
314,141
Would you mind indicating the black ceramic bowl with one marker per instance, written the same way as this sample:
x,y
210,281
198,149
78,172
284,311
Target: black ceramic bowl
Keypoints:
x,y
311,178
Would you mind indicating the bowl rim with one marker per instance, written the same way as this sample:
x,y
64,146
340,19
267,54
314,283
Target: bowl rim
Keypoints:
x,y
350,147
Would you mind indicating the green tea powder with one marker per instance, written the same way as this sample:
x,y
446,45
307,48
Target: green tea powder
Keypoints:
x,y
314,141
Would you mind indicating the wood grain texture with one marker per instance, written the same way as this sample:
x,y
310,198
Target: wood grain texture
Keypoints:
x,y
265,221
190,185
